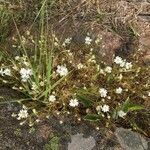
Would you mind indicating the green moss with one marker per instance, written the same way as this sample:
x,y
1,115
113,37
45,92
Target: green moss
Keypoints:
x,y
32,130
5,17
17,132
52,144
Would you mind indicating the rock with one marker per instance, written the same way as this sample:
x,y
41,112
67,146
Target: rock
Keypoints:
x,y
73,135
130,140
43,132
144,17
78,142
145,46
106,49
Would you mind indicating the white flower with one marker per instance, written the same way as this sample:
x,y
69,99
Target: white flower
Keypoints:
x,y
108,97
41,83
37,120
7,72
24,79
21,123
108,69
105,108
56,43
120,77
103,100
26,63
103,92
24,107
52,98
1,72
62,70
73,102
23,113
97,40
67,41
121,113
34,86
80,66
88,40
15,67
98,108
34,111
61,122
101,71
17,58
118,60
119,90
123,63
29,71
128,65
13,115
25,74
24,71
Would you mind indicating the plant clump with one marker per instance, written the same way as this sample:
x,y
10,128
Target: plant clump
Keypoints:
x,y
58,81
55,79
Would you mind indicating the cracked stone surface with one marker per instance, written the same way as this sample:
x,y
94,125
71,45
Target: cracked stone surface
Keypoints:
x,y
78,142
130,140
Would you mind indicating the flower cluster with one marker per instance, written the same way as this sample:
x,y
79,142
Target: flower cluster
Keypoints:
x,y
108,69
75,82
6,72
23,114
126,65
25,74
62,70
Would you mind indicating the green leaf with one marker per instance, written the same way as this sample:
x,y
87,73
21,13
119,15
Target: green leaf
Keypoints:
x,y
127,106
92,117
1,56
14,101
61,79
53,143
134,107
115,114
54,85
84,100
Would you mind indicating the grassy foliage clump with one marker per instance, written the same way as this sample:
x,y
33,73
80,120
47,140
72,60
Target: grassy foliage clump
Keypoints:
x,y
5,17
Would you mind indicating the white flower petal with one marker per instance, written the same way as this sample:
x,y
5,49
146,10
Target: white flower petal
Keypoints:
x,y
103,92
52,98
88,40
119,90
105,108
62,70
121,113
73,102
108,69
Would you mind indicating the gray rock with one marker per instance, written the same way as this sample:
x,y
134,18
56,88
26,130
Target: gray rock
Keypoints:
x,y
130,140
144,17
78,142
